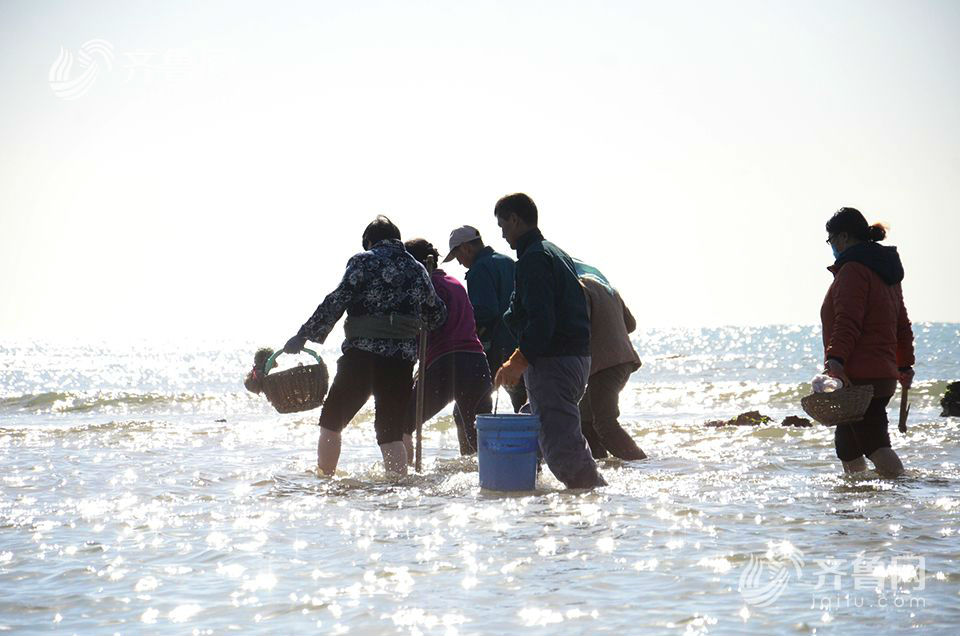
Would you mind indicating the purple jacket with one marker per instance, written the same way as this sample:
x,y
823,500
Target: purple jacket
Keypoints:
x,y
459,332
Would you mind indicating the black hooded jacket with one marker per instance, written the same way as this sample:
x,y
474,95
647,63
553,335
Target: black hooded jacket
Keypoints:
x,y
882,259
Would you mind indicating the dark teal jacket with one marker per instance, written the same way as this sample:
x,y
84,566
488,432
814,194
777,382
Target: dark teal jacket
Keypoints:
x,y
548,312
490,286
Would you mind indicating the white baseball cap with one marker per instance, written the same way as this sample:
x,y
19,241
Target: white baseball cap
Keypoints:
x,y
461,235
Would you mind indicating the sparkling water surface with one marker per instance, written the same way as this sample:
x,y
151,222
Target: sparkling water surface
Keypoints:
x,y
144,491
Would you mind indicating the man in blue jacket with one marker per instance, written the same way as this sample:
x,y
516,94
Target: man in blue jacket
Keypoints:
x,y
490,286
548,313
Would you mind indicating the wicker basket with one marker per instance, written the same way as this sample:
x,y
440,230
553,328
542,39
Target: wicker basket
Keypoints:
x,y
298,389
839,407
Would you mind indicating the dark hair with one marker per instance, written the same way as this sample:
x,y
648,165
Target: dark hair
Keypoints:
x,y
420,249
379,229
477,243
850,221
519,204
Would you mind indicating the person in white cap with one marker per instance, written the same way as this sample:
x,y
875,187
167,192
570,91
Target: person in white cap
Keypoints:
x,y
489,285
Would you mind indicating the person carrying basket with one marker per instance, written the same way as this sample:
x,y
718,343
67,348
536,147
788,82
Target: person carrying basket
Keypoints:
x,y
867,336
387,296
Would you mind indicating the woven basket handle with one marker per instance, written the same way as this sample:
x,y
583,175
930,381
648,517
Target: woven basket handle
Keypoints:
x,y
271,359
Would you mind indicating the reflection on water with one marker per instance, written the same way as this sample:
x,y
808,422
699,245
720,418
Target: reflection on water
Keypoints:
x,y
153,517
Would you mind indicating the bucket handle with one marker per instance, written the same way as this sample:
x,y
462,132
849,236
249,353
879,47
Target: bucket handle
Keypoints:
x,y
269,364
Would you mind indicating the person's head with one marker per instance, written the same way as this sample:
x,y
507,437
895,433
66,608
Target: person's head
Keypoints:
x,y
848,227
379,229
465,242
466,253
516,215
421,249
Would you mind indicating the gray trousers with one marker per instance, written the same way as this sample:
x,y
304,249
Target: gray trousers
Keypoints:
x,y
555,386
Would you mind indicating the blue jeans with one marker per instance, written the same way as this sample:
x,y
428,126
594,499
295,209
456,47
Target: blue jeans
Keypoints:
x,y
555,386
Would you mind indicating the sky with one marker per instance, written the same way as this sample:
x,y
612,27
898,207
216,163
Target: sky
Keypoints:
x,y
214,176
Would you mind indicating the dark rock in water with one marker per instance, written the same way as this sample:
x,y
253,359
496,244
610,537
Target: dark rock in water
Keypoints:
x,y
750,418
220,421
793,420
951,400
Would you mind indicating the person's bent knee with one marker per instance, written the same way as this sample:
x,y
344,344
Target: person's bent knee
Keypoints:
x,y
588,477
857,465
887,462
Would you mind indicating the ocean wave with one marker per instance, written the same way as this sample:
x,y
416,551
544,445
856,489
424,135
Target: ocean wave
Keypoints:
x,y
81,402
775,395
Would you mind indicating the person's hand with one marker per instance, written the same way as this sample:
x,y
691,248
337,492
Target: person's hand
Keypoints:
x,y
834,369
512,370
906,377
294,345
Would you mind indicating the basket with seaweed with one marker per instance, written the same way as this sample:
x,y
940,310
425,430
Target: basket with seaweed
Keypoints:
x,y
300,388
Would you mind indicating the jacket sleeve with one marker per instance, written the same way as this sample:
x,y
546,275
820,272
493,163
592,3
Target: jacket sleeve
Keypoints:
x,y
588,294
537,296
483,296
628,319
444,295
321,323
905,357
850,290
511,316
433,311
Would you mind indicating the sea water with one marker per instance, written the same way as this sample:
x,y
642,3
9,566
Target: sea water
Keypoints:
x,y
144,490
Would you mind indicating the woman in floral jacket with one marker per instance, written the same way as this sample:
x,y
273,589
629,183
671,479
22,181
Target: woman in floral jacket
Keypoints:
x,y
386,295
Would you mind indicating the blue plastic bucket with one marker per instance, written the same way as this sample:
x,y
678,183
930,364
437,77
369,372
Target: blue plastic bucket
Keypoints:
x,y
507,451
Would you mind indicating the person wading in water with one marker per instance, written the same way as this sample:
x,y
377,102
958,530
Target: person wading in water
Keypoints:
x,y
386,294
867,336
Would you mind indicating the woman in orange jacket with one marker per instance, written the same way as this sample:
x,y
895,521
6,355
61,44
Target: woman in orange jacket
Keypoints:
x,y
867,337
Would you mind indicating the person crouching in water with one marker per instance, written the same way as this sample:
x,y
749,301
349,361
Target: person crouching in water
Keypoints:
x,y
612,360
386,294
548,313
456,367
867,336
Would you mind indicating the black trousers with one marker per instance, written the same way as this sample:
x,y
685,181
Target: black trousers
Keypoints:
x,y
463,378
600,410
361,374
861,439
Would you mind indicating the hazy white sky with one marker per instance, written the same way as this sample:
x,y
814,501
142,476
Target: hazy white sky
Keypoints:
x,y
215,178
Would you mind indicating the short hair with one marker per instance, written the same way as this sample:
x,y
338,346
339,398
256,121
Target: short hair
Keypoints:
x,y
477,243
379,229
519,204
852,222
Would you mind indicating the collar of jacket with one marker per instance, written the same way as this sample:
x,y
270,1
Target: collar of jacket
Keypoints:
x,y
528,239
388,244
482,255
882,259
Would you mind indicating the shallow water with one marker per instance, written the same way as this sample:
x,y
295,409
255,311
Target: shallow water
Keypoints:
x,y
145,491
